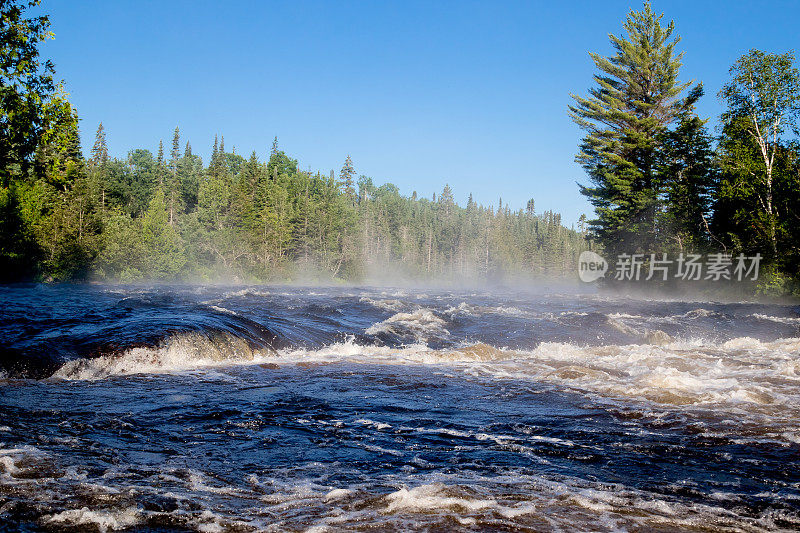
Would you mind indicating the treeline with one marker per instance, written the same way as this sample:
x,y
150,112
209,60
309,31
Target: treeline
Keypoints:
x,y
661,182
169,215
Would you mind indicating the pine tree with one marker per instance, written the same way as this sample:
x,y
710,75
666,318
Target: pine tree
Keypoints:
x,y
530,207
215,165
99,149
174,183
446,198
189,169
636,98
347,178
175,155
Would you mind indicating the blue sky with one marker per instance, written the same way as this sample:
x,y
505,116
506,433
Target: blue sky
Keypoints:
x,y
473,94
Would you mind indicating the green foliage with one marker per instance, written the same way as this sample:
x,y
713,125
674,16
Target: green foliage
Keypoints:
x,y
26,87
270,221
657,181
635,100
773,283
144,248
163,257
763,104
19,250
687,179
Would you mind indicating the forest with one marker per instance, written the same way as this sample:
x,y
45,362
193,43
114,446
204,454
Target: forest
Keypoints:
x,y
661,182
169,215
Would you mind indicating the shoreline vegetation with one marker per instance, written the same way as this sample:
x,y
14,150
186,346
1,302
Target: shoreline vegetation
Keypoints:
x,y
660,182
241,219
171,216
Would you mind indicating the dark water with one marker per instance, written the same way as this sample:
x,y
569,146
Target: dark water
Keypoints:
x,y
270,408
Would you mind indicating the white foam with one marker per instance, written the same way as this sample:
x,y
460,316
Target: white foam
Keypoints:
x,y
743,343
463,308
337,494
14,461
422,324
432,498
247,292
376,425
779,319
392,305
102,520
184,352
223,310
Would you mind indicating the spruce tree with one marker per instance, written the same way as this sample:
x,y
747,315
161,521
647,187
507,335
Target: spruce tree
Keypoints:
x,y
347,177
635,99
530,207
99,149
189,169
688,177
174,183
176,151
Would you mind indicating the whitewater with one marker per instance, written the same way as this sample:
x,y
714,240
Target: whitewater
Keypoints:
x,y
271,408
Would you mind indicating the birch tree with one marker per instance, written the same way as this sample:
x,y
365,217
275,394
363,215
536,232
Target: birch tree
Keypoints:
x,y
764,96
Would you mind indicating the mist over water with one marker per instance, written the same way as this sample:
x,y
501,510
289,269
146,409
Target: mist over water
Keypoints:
x,y
237,408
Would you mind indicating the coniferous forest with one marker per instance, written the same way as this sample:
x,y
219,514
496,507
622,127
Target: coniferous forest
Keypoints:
x,y
659,179
170,216
167,214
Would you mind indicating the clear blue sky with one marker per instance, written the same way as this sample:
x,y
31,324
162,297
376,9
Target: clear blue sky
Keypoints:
x,y
473,94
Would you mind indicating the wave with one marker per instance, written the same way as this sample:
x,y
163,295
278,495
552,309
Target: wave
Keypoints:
x,y
746,379
741,371
420,325
99,520
749,387
392,305
185,351
434,497
779,319
649,336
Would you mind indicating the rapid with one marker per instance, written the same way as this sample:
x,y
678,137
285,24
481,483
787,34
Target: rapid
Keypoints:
x,y
272,408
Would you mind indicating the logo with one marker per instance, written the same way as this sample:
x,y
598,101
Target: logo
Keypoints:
x,y
591,266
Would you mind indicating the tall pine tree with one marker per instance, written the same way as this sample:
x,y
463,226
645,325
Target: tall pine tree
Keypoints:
x,y
347,178
635,99
99,149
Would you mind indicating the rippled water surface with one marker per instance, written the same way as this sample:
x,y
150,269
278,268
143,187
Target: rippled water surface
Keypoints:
x,y
326,409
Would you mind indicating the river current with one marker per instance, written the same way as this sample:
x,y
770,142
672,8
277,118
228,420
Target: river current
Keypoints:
x,y
212,409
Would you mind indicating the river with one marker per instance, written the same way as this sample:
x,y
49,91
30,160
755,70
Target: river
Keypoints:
x,y
208,408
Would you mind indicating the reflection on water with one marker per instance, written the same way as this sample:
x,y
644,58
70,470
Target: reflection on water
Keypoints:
x,y
243,409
